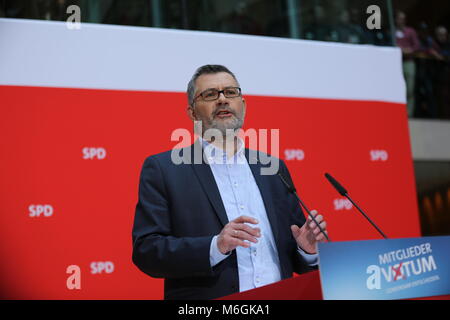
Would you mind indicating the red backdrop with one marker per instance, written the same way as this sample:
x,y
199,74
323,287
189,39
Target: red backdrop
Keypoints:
x,y
44,132
71,157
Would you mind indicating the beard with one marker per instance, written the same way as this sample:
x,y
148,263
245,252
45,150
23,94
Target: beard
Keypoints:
x,y
225,126
233,124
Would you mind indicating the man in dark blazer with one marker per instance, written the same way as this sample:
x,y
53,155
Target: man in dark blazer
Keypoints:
x,y
211,229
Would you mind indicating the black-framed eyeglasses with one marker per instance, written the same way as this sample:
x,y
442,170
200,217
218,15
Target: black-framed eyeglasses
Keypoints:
x,y
213,94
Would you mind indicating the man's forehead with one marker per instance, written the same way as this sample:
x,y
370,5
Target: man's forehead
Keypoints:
x,y
215,80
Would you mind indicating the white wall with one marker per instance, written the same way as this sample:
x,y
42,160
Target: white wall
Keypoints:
x,y
350,72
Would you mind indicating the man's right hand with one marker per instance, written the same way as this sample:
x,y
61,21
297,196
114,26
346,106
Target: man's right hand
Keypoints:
x,y
235,232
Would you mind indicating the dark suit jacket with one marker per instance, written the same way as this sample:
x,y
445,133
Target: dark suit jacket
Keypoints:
x,y
180,210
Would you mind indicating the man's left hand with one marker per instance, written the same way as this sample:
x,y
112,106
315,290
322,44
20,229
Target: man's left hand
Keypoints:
x,y
309,234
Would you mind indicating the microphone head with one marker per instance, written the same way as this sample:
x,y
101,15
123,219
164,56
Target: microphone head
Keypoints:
x,y
336,185
288,186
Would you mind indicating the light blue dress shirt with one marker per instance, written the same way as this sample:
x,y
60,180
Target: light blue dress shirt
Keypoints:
x,y
258,265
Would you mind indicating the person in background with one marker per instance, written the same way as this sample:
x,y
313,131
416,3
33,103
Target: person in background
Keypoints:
x,y
347,31
443,77
407,40
427,60
319,28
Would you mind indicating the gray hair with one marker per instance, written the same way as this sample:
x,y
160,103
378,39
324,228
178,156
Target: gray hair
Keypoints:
x,y
206,69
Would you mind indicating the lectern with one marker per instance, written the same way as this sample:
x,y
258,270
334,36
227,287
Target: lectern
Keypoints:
x,y
388,269
303,287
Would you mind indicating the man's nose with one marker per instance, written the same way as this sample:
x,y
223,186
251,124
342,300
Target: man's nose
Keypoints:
x,y
222,99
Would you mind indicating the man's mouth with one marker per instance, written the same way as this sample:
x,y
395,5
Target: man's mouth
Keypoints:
x,y
224,114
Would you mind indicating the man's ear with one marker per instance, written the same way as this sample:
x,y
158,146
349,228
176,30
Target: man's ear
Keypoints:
x,y
191,113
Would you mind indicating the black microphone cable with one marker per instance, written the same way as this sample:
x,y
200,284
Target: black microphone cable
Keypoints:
x,y
292,190
343,192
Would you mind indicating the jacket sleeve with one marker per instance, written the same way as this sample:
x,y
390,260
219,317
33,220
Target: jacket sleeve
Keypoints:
x,y
156,251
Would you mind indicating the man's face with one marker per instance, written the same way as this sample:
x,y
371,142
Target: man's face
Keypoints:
x,y
441,34
400,20
223,113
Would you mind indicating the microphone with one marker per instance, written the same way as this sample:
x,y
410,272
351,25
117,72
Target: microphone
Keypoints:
x,y
291,189
342,191
336,185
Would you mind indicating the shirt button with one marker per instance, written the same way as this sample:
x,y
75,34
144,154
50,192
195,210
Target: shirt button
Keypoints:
x,y
242,207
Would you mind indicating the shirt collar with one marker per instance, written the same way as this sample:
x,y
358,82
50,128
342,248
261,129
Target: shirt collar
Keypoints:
x,y
219,156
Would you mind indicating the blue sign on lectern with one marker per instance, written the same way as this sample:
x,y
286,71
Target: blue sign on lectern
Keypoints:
x,y
385,269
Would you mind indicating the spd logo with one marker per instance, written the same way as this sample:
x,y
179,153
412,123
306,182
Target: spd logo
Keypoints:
x,y
40,210
342,204
294,154
94,153
102,267
378,155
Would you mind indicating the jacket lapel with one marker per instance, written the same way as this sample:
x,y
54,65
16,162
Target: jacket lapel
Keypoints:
x,y
206,179
209,185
